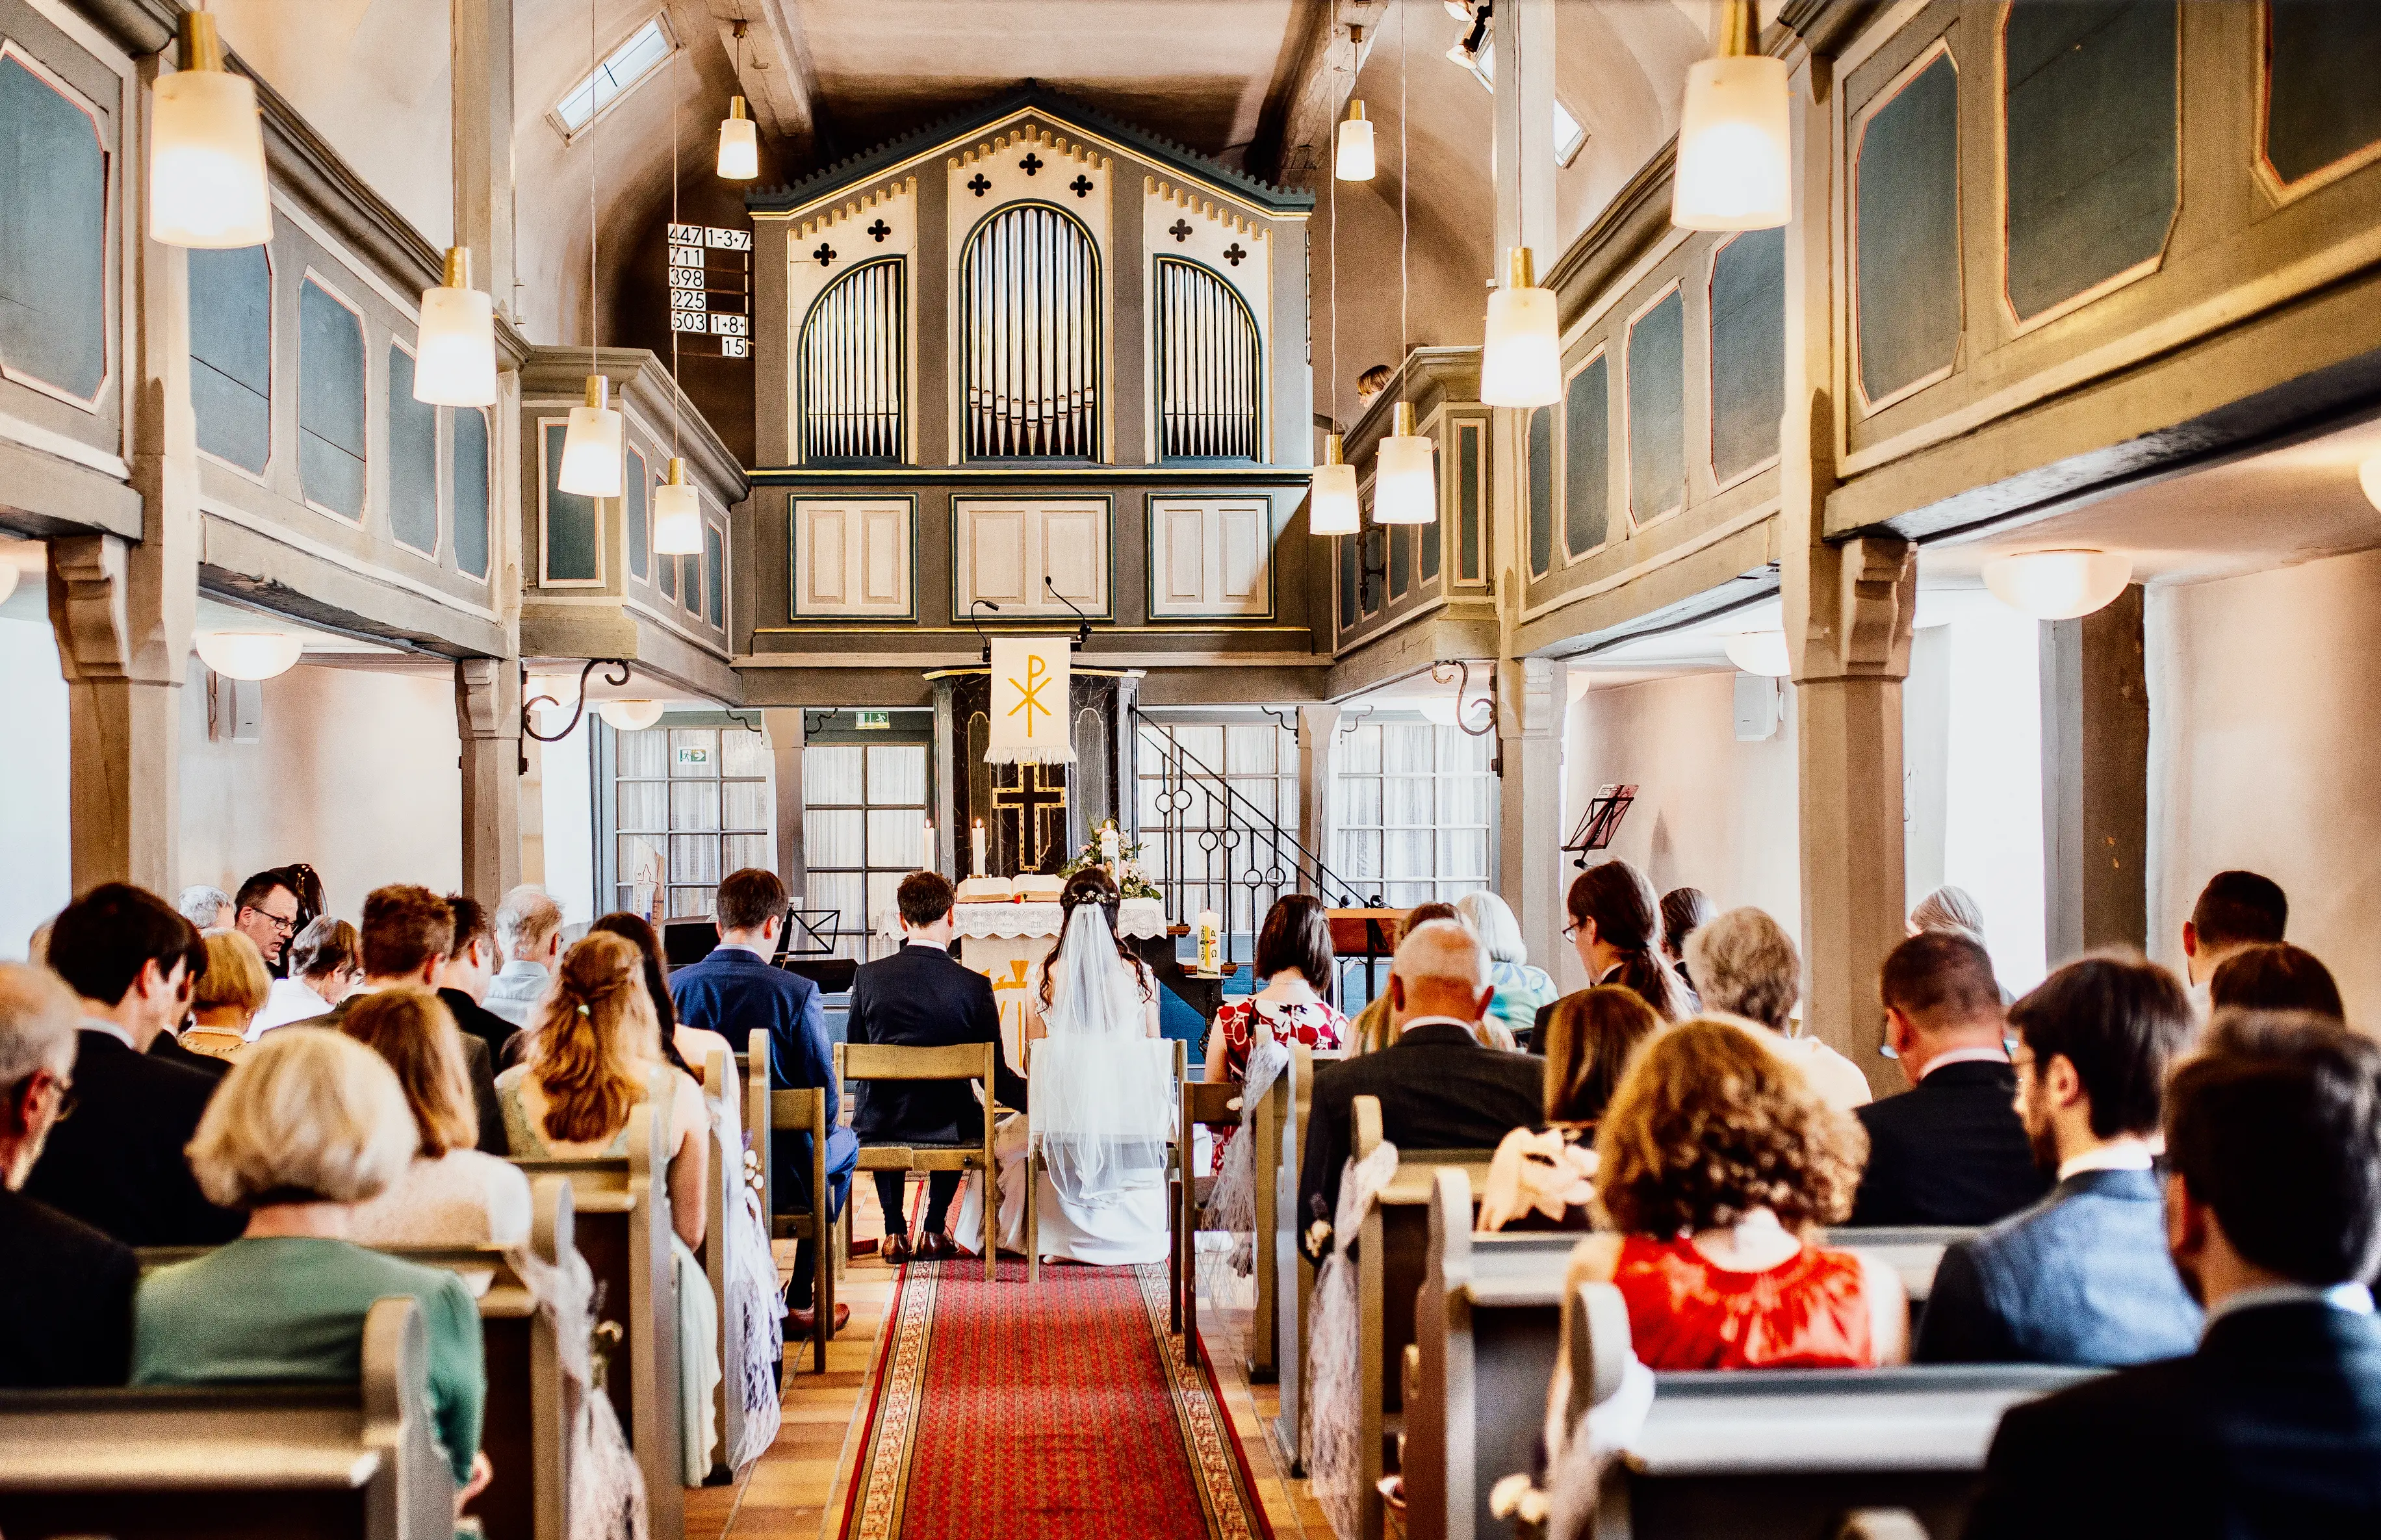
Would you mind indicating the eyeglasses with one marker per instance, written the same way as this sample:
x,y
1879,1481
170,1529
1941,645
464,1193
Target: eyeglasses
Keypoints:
x,y
280,925
1570,931
61,1089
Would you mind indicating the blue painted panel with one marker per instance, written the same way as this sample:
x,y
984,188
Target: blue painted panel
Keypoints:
x,y
1400,559
412,460
715,567
1658,409
330,402
1368,595
637,482
666,576
2321,105
1431,536
1467,504
469,496
690,578
573,523
1347,582
1748,351
1541,491
2092,144
1907,224
231,354
1587,458
53,236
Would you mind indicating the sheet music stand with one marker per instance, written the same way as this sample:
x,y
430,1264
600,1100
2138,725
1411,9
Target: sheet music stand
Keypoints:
x,y
808,933
1600,822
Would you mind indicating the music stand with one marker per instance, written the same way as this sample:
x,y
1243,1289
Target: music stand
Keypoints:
x,y
818,928
1600,822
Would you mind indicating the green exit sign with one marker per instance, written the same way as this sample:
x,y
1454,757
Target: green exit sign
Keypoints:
x,y
875,718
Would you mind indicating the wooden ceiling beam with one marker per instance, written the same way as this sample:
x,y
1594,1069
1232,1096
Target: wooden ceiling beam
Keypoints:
x,y
1320,58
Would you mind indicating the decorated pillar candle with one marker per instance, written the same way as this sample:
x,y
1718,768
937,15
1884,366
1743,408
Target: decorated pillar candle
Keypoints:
x,y
1210,928
927,847
1108,845
978,869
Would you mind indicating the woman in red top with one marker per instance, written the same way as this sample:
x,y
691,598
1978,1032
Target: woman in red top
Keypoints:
x,y
1294,958
1715,1161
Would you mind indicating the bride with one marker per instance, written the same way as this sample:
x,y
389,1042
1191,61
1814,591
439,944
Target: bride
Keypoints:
x,y
1100,1094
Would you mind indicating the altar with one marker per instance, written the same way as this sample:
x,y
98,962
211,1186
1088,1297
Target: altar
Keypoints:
x,y
1003,941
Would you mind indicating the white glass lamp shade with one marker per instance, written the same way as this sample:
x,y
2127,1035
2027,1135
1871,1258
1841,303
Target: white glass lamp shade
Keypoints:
x,y
2368,475
1353,161
455,349
630,717
740,144
1332,507
206,151
1760,652
248,654
1520,358
1438,710
2058,585
1405,476
9,573
1735,163
677,515
591,448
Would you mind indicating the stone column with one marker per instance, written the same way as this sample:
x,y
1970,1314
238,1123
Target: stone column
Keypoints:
x,y
2095,750
1533,704
786,735
487,720
483,76
1318,764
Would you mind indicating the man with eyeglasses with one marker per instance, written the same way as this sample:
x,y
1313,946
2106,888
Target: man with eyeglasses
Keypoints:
x,y
65,1289
266,912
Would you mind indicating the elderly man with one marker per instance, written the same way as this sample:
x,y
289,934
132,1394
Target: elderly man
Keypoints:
x,y
529,927
206,907
1439,1088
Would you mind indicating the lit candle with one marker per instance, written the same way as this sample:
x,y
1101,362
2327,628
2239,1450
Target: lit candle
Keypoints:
x,y
1108,845
978,869
1208,924
926,856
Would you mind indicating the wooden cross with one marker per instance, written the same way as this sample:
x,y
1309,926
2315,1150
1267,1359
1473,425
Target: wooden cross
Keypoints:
x,y
1028,797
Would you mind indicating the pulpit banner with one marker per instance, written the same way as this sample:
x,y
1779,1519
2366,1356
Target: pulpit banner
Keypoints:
x,y
1028,702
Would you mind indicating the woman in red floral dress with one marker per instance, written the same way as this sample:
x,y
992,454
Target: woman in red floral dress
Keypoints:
x,y
1295,960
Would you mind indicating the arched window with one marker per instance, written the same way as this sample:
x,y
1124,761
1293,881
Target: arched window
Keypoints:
x,y
1029,319
1208,390
852,368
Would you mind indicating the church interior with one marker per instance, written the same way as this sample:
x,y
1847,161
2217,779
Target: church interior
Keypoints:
x,y
1216,475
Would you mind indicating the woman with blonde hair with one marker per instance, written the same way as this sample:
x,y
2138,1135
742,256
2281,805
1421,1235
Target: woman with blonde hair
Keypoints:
x,y
307,1126
1521,990
453,1194
592,1056
227,996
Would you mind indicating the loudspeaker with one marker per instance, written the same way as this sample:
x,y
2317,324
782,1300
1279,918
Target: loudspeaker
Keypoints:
x,y
1757,707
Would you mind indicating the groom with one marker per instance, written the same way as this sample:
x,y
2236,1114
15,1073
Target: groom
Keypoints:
x,y
922,998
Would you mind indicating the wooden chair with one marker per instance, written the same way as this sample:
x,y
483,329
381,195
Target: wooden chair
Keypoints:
x,y
960,1061
1178,1235
296,1461
772,1112
1216,1106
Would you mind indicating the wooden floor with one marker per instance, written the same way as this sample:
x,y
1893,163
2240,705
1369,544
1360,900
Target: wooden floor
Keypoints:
x,y
796,1491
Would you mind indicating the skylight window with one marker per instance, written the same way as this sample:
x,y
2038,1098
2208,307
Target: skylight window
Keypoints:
x,y
646,50
1569,136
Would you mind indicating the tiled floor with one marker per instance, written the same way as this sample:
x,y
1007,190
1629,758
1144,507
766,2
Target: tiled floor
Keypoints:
x,y
796,1491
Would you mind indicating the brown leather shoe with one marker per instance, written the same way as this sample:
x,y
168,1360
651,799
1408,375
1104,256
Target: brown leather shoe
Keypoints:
x,y
936,1246
894,1249
802,1323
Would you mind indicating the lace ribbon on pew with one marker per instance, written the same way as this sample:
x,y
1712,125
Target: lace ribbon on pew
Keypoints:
x,y
608,1491
1334,1467
1233,1204
756,1327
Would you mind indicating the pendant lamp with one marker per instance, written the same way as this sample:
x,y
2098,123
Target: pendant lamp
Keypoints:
x,y
1520,360
677,515
206,151
2058,585
1354,161
1405,478
591,448
1734,136
1331,507
630,717
739,146
455,349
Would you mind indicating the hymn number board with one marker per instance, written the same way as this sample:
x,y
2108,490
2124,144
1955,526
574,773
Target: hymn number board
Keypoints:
x,y
711,285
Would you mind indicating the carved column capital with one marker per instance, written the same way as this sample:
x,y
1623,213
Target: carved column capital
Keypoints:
x,y
90,594
487,698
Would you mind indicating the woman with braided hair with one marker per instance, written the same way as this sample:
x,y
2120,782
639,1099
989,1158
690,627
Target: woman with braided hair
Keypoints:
x,y
1616,924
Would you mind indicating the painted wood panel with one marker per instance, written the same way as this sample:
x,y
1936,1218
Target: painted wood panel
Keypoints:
x,y
1906,232
1015,551
53,234
574,524
1469,501
637,494
412,460
331,393
853,559
2323,93
468,502
1748,351
2091,149
715,573
1347,582
1541,491
231,354
1587,458
1210,556
1658,409
1401,559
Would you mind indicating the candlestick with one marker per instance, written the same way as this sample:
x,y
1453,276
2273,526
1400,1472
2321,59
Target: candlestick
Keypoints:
x,y
926,856
978,849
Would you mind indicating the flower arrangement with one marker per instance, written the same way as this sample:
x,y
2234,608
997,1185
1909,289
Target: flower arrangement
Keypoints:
x,y
1130,880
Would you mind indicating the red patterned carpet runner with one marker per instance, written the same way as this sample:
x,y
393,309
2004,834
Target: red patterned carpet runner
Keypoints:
x,y
1004,1411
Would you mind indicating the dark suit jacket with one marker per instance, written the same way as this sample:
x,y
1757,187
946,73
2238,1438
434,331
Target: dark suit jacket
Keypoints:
x,y
735,993
922,998
1439,1090
66,1299
169,1048
478,1021
2270,1431
477,1064
2081,1278
117,1164
1949,1151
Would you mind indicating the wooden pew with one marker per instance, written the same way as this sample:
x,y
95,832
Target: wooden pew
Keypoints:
x,y
294,1462
623,1230
1217,1107
722,1196
1293,1275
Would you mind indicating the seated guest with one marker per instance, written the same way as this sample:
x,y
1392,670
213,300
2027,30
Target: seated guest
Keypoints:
x,y
117,1164
1948,908
407,933
2235,910
451,1194
224,1003
921,998
1545,1180
690,1048
205,906
307,1126
1521,991
2080,1278
1615,921
463,979
65,1290
1684,912
2275,975
1715,1162
1374,1030
1746,966
736,992
268,912
529,926
1949,1150
326,962
2272,1426
1294,958
1439,1087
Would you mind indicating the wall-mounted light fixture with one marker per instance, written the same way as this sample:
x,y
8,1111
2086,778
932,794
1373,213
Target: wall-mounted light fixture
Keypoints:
x,y
1459,713
2058,585
1760,652
617,676
248,654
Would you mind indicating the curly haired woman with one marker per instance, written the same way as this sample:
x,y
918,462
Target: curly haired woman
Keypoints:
x,y
1715,1163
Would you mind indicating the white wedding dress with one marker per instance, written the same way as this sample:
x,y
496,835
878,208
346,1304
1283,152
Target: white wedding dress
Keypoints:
x,y
1101,1111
